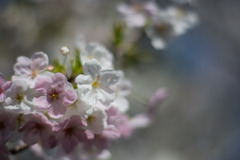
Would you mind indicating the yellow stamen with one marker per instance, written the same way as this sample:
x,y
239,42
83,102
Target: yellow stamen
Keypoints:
x,y
90,119
19,98
54,96
20,119
96,83
33,74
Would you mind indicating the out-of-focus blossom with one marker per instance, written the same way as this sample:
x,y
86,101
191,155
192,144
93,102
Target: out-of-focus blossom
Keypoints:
x,y
38,128
155,100
96,120
30,69
97,85
104,140
97,52
138,14
71,132
55,94
145,119
8,124
120,121
169,23
3,87
140,121
123,89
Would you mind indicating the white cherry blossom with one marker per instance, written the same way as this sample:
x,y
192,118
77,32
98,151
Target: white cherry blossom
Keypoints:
x,y
96,120
97,52
169,23
97,85
123,89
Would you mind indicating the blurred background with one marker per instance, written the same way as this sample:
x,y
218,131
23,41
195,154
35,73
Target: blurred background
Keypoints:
x,y
201,71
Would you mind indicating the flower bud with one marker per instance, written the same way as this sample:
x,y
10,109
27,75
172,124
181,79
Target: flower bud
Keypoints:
x,y
65,50
50,68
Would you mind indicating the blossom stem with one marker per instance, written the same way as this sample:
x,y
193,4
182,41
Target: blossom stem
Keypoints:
x,y
19,149
65,60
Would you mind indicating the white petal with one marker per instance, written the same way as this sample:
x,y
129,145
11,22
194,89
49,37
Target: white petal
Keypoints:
x,y
98,121
92,68
39,61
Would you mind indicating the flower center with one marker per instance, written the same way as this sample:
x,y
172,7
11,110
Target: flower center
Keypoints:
x,y
19,98
69,131
33,74
90,119
96,83
53,94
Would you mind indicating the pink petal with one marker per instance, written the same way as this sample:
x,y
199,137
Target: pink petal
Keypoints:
x,y
42,84
31,137
6,85
59,82
111,133
22,67
2,80
57,110
69,143
39,61
41,102
69,97
48,139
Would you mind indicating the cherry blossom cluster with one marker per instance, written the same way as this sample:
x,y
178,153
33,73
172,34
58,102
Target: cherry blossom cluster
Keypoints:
x,y
160,23
79,118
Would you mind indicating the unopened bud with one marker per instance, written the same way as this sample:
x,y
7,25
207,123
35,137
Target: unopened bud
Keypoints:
x,y
50,68
65,50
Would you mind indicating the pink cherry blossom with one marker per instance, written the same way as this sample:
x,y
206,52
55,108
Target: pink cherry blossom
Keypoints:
x,y
155,100
38,128
104,140
3,87
120,121
30,68
71,132
55,94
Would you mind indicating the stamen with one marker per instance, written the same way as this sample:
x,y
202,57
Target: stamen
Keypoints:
x,y
19,98
90,119
33,74
97,84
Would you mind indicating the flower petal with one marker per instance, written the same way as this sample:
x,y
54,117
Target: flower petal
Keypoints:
x,y
41,102
39,61
22,67
92,68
